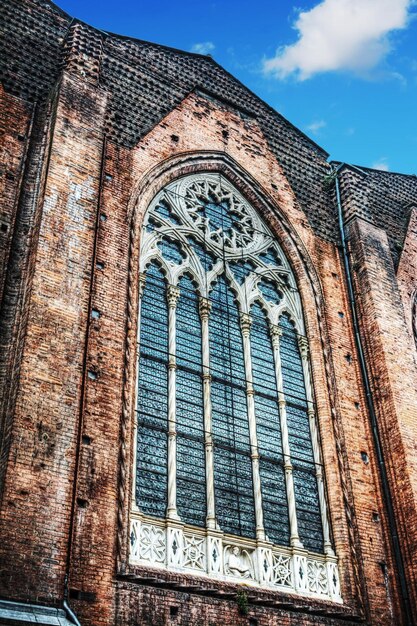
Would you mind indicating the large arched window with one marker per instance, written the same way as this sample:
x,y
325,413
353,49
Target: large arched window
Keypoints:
x,y
228,477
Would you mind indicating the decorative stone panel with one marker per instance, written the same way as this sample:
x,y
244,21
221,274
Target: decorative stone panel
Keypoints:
x,y
216,555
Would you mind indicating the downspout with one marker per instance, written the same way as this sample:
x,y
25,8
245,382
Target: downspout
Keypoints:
x,y
372,413
68,610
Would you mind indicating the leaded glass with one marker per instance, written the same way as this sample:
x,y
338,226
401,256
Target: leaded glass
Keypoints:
x,y
151,483
220,292
171,250
191,483
268,431
232,464
305,483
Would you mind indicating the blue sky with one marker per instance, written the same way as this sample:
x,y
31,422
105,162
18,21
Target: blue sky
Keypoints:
x,y
343,71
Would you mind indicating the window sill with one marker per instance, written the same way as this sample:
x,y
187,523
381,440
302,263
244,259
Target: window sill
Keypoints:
x,y
171,545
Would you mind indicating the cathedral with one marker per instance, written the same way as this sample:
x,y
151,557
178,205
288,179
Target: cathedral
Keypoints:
x,y
208,363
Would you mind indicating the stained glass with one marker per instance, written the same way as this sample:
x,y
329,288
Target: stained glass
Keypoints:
x,y
216,224
232,463
191,482
268,429
152,408
171,251
304,470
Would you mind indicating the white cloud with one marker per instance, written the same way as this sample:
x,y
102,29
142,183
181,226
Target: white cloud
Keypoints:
x,y
340,35
381,164
316,126
203,48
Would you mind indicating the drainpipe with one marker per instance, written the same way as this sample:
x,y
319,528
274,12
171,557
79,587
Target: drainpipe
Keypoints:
x,y
372,413
71,614
68,610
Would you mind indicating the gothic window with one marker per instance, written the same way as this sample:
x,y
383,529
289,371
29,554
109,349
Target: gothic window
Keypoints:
x,y
228,477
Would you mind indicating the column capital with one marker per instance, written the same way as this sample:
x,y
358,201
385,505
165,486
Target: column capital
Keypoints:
x,y
204,307
303,345
245,323
311,413
141,283
173,293
275,332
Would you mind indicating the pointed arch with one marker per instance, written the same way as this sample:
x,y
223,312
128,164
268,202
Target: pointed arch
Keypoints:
x,y
246,287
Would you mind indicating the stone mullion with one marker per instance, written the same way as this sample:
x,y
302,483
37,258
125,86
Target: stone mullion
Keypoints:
x,y
141,288
245,324
276,333
204,310
304,352
172,299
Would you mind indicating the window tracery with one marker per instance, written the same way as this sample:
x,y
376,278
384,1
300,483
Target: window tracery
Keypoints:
x,y
228,472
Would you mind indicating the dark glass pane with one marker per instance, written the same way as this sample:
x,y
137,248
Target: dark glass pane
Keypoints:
x,y
191,477
270,291
308,511
207,259
171,251
165,210
268,431
241,269
235,507
152,407
271,257
305,483
218,215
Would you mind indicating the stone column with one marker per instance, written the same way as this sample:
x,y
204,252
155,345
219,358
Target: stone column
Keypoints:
x,y
304,352
204,309
295,542
245,324
172,299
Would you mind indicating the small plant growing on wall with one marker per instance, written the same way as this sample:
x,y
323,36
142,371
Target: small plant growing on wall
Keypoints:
x,y
242,602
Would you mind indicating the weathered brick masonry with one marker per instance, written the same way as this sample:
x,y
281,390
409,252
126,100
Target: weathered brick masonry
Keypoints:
x,y
93,125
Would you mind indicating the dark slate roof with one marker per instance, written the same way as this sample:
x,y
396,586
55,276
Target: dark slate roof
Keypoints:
x,y
145,81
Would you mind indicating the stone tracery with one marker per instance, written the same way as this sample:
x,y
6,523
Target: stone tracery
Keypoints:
x,y
201,227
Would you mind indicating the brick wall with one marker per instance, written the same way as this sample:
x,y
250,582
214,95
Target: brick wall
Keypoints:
x,y
86,149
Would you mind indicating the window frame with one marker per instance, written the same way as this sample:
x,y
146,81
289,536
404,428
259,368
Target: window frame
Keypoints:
x,y
305,573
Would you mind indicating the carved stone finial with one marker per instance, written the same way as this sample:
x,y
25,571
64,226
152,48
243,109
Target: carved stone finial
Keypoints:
x,y
276,333
141,283
245,323
173,293
303,345
204,308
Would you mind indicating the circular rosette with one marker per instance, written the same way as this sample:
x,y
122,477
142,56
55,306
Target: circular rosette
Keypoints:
x,y
219,213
